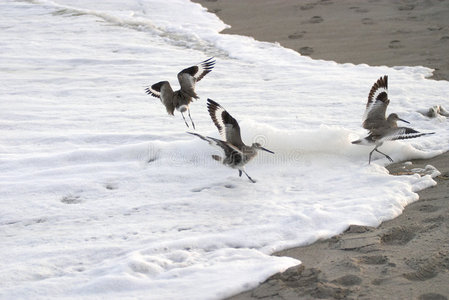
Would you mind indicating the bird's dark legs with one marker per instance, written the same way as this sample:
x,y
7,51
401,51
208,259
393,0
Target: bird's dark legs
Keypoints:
x,y
240,173
375,149
389,158
193,124
185,120
252,180
371,153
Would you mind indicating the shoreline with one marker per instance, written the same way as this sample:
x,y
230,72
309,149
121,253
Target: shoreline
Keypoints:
x,y
374,32
408,256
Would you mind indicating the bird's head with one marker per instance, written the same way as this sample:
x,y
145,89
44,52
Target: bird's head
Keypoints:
x,y
393,118
259,147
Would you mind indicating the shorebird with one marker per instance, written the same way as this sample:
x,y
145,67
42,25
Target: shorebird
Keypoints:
x,y
181,99
383,129
236,153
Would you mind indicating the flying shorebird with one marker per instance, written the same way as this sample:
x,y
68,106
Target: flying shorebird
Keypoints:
x,y
181,98
383,129
236,153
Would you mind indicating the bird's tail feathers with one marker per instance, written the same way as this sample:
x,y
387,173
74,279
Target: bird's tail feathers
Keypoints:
x,y
367,141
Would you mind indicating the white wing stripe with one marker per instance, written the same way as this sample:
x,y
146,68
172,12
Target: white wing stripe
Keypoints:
x,y
204,67
378,92
218,116
153,92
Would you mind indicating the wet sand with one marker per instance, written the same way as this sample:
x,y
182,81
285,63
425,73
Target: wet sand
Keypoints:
x,y
404,258
374,32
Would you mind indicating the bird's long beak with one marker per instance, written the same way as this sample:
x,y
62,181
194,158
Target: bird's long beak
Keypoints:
x,y
265,149
404,121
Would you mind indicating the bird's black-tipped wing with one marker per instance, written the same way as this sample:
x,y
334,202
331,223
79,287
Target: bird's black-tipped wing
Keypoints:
x,y
155,89
402,133
377,104
227,126
190,76
163,91
200,70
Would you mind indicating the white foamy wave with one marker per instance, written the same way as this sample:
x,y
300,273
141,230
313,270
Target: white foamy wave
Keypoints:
x,y
166,21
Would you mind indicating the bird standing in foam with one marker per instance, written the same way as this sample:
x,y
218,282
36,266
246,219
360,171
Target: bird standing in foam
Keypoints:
x,y
383,129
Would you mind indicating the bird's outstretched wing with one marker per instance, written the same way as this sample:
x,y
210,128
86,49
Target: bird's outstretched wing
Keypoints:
x,y
227,126
377,104
190,76
231,152
163,91
402,133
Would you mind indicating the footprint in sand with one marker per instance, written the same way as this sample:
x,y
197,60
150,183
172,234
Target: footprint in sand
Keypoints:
x,y
406,7
326,2
348,280
315,20
306,50
398,236
403,31
395,44
307,6
424,271
380,281
373,259
359,229
413,18
359,9
432,296
297,35
367,21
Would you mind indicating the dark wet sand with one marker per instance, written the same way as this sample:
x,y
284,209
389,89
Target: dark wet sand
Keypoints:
x,y
404,258
374,32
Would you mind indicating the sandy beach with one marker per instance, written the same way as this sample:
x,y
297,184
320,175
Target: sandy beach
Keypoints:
x,y
404,258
